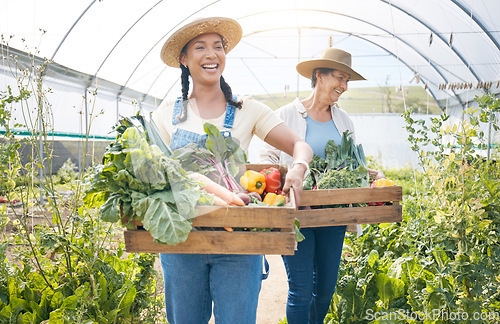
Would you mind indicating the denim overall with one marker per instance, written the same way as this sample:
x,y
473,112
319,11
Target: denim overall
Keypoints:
x,y
194,281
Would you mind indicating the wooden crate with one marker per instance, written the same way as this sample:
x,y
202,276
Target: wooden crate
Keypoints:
x,y
331,216
281,240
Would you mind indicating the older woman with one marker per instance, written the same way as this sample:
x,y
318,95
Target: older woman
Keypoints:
x,y
231,282
313,269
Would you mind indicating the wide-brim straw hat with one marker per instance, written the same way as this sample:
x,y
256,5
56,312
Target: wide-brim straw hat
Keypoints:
x,y
331,58
229,29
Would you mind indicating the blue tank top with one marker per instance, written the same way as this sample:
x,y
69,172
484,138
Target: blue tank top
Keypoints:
x,y
319,133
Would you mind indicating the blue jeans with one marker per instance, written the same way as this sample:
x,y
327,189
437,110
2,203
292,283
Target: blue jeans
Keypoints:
x,y
312,274
194,281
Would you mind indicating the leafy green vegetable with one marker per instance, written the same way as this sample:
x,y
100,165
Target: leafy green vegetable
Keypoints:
x,y
343,178
138,180
299,237
344,166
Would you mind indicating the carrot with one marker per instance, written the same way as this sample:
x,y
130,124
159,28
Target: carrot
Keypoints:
x,y
229,229
213,187
219,201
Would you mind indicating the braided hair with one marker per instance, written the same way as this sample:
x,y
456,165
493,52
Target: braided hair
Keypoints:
x,y
228,93
185,91
226,89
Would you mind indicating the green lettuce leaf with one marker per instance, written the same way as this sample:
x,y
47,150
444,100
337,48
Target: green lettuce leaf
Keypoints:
x,y
164,223
110,210
138,180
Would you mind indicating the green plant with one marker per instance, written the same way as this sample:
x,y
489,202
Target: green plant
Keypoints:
x,y
60,264
9,145
67,172
442,262
138,180
344,166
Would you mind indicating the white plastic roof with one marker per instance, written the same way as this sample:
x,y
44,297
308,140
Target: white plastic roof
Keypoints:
x,y
115,44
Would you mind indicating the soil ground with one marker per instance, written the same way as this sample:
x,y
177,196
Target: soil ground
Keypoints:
x,y
272,298
273,294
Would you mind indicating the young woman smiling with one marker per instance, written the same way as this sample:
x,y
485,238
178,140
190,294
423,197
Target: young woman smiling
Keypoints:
x,y
231,282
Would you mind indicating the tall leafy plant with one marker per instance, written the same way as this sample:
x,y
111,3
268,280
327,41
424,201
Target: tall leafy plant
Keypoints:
x,y
441,264
71,267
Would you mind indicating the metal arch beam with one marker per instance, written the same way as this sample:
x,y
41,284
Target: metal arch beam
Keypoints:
x,y
125,34
384,30
385,1
330,12
156,79
404,62
367,40
170,88
478,22
121,38
71,28
436,33
363,21
149,51
386,50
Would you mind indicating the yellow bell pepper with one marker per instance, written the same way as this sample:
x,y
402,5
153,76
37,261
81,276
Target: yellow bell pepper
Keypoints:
x,y
383,182
253,181
274,199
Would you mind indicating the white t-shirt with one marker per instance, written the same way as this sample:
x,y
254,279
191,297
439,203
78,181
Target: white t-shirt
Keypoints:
x,y
254,118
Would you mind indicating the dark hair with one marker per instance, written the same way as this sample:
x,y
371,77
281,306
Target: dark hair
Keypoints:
x,y
322,71
226,89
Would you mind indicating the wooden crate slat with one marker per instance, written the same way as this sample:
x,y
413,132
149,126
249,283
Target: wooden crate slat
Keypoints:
x,y
215,242
350,195
350,215
267,217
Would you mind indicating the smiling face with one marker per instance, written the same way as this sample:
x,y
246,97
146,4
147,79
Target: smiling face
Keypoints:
x,y
205,57
333,85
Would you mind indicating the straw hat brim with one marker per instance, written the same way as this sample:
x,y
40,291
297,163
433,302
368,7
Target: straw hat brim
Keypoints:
x,y
229,29
306,68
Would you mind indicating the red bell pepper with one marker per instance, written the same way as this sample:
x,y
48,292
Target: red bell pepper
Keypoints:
x,y
273,179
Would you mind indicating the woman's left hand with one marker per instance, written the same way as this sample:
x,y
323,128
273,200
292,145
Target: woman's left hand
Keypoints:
x,y
375,174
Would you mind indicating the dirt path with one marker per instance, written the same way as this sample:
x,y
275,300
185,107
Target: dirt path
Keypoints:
x,y
272,298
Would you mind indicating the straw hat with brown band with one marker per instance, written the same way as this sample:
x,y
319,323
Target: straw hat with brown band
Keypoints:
x,y
330,58
229,29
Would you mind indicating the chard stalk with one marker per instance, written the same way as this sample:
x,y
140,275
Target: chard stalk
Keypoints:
x,y
222,174
235,187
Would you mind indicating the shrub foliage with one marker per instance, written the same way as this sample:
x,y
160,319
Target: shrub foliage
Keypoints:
x,y
441,264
